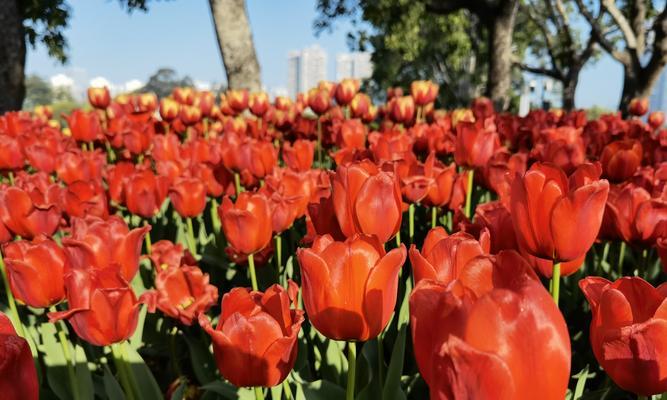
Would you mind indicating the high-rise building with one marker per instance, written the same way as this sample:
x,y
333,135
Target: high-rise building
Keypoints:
x,y
658,100
353,65
305,69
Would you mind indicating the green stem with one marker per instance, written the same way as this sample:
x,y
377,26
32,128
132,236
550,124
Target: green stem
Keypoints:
x,y
555,282
123,373
259,393
434,217
18,325
237,183
11,178
351,369
279,253
149,243
288,390
172,350
398,238
191,237
69,360
411,220
449,221
471,175
319,142
215,218
380,361
253,276
621,256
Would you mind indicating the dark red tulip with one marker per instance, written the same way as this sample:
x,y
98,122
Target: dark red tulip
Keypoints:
x,y
11,157
18,376
35,271
656,119
181,292
482,108
188,195
349,288
255,341
485,337
99,244
621,159
102,307
84,126
299,155
246,222
361,193
628,332
554,217
638,106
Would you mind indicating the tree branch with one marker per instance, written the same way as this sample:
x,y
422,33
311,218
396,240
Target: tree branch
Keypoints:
x,y
622,22
596,30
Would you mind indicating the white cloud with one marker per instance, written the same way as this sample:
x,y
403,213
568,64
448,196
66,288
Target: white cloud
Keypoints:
x,y
61,80
100,81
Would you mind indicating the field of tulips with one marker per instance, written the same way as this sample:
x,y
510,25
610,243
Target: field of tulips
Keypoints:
x,y
325,248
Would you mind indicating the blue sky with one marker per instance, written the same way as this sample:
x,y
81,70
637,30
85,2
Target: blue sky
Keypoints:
x,y
104,40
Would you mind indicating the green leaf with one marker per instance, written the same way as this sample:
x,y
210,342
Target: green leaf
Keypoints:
x,y
111,386
320,390
392,384
146,384
136,340
582,376
201,359
84,378
229,391
54,361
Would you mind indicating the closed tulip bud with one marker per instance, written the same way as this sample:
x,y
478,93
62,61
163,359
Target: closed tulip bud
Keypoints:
x,y
83,198
238,99
443,257
147,102
99,244
103,309
99,97
145,192
259,104
423,92
18,376
484,337
255,342
169,109
482,108
205,101
299,156
11,156
188,195
621,159
402,109
656,119
638,106
184,95
35,271
182,293
628,332
360,194
190,115
282,103
85,126
245,223
319,100
346,91
475,144
349,288
360,105
257,157
555,217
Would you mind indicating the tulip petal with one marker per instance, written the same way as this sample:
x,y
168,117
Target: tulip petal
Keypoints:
x,y
381,290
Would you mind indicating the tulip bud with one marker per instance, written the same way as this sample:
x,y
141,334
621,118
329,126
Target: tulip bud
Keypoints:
x,y
638,106
656,119
99,97
346,91
18,376
169,109
259,104
245,222
423,92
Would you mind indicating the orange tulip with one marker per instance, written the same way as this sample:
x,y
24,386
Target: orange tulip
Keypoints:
x,y
346,90
349,288
621,159
246,223
299,155
188,195
423,92
99,97
238,99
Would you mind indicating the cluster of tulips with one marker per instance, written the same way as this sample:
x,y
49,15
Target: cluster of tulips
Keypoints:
x,y
233,247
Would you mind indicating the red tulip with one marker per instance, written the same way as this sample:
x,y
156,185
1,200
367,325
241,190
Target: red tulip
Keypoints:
x,y
246,222
423,92
169,109
35,271
360,105
85,126
99,97
346,90
255,341
190,115
238,99
11,157
145,192
181,292
628,332
319,100
259,104
485,337
257,157
184,95
18,376
188,195
102,306
76,165
29,214
442,186
656,119
99,244
83,198
402,109
349,288
638,106
299,155
165,254
482,108
475,143
555,218
621,159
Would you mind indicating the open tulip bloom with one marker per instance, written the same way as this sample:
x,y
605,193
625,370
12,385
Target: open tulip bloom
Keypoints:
x,y
203,245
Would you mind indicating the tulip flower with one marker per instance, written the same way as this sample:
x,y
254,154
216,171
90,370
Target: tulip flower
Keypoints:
x,y
351,133
423,92
188,195
656,119
475,144
360,105
482,108
257,157
299,155
349,288
621,159
145,192
183,95
11,157
346,90
238,99
103,309
319,100
76,165
361,193
246,223
628,332
165,254
98,244
254,343
169,109
18,376
486,337
638,106
402,109
29,214
190,115
181,292
35,271
99,97
83,198
85,126
259,104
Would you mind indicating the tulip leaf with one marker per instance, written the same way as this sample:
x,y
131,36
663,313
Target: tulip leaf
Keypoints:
x,y
179,393
319,390
201,359
582,376
370,356
229,391
146,384
84,378
392,384
136,340
54,360
111,386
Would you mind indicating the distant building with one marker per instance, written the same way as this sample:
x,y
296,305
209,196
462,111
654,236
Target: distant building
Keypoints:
x,y
353,65
658,100
305,69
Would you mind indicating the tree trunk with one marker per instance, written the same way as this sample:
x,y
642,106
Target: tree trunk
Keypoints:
x,y
638,82
236,45
501,28
570,88
12,57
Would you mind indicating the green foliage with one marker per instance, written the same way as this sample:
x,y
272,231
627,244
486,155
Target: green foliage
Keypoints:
x,y
38,92
163,81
